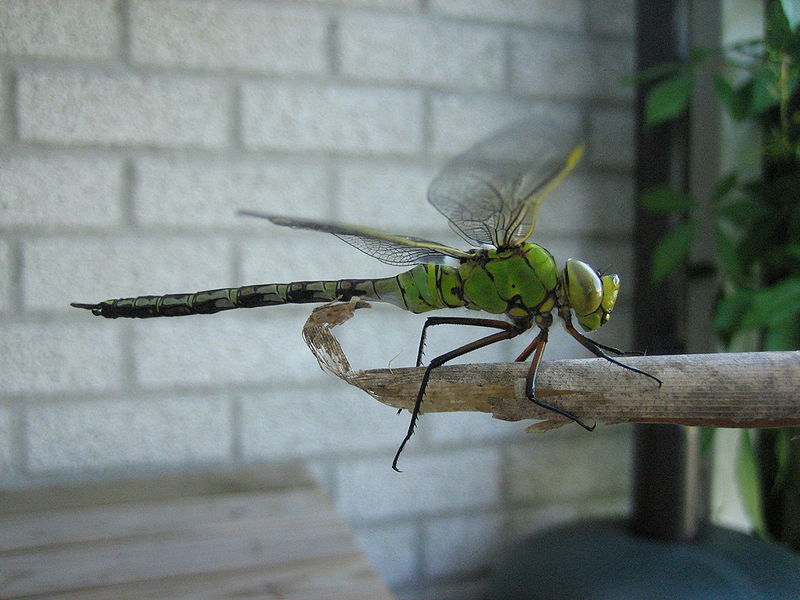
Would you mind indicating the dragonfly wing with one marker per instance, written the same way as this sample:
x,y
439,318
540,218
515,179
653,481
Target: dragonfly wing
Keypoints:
x,y
491,193
392,249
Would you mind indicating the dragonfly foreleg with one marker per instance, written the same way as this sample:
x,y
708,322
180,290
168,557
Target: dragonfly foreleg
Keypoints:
x,y
509,331
598,350
616,351
536,348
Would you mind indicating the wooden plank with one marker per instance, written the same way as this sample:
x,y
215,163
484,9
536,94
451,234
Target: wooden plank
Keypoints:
x,y
345,577
137,519
173,553
283,475
282,543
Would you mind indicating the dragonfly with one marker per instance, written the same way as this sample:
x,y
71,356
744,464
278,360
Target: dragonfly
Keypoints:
x,y
490,196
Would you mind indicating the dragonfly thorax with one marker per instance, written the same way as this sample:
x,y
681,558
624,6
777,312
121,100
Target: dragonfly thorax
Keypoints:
x,y
590,295
520,282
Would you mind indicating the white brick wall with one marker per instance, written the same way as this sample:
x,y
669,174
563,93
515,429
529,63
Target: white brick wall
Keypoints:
x,y
56,358
238,37
277,425
460,119
611,138
57,270
82,29
421,50
460,545
88,435
7,430
202,191
72,108
432,483
6,266
545,14
5,113
60,191
570,65
132,131
393,550
333,117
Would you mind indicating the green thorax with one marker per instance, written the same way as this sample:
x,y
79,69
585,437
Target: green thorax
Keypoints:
x,y
520,282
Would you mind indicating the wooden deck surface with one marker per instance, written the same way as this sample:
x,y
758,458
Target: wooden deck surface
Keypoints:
x,y
256,533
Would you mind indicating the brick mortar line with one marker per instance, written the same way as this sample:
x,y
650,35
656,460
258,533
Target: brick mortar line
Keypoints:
x,y
178,74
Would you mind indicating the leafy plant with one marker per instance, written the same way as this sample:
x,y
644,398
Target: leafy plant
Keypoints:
x,y
756,227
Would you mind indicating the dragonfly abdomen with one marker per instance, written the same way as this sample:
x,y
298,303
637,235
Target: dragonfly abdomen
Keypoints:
x,y
423,288
409,290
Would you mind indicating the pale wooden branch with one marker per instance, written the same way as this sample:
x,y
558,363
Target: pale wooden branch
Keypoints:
x,y
759,389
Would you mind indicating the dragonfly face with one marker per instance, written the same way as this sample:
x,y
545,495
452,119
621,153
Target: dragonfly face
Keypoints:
x,y
591,296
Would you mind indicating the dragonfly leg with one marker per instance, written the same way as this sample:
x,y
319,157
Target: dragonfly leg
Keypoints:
x,y
616,351
509,331
534,345
475,322
536,348
598,350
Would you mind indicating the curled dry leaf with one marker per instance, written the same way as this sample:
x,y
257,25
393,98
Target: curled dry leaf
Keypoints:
x,y
323,344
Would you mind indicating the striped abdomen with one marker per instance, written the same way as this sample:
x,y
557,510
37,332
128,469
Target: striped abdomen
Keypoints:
x,y
423,288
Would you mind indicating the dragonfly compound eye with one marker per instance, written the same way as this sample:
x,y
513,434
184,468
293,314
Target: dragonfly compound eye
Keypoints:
x,y
590,297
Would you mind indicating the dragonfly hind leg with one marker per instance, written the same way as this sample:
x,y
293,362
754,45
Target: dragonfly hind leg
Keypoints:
x,y
507,332
536,347
472,321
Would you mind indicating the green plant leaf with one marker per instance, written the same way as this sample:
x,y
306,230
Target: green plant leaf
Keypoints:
x,y
667,69
749,482
792,251
783,449
664,200
728,96
742,212
765,94
775,305
779,31
729,311
782,336
729,260
671,251
724,187
741,104
791,8
668,99
751,48
706,439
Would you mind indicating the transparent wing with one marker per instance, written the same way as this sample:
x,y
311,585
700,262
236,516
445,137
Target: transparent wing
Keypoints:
x,y
392,249
491,193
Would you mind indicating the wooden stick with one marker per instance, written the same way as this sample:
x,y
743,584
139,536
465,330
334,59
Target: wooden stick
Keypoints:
x,y
759,389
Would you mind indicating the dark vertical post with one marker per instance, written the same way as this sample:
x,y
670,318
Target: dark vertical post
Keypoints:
x,y
667,485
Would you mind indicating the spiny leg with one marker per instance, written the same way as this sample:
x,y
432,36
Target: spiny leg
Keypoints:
x,y
475,322
616,351
509,331
536,347
597,350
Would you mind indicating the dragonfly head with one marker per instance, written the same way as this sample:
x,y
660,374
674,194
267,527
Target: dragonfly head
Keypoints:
x,y
589,294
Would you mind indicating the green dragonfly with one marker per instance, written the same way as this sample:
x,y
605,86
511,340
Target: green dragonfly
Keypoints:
x,y
490,195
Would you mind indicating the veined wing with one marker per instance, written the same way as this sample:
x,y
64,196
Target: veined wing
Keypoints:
x,y
491,193
392,249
